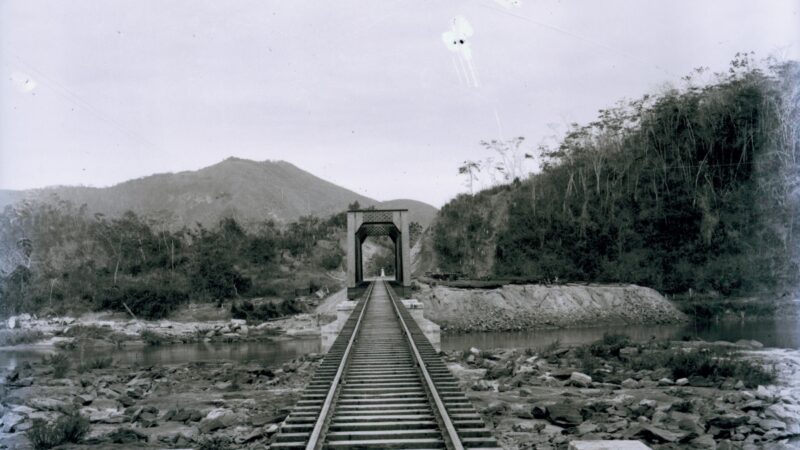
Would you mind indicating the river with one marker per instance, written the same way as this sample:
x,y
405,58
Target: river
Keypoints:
x,y
773,332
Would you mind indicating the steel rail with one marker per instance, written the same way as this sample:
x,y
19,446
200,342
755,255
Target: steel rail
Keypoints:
x,y
316,435
441,411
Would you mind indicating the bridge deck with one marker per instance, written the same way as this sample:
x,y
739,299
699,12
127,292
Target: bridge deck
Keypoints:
x,y
382,385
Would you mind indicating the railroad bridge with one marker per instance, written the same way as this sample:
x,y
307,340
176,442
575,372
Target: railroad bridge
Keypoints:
x,y
364,223
382,384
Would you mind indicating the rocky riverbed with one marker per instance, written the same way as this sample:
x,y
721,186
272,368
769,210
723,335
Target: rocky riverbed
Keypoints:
x,y
545,399
216,405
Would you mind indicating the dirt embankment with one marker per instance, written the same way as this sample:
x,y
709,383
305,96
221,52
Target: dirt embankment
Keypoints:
x,y
515,307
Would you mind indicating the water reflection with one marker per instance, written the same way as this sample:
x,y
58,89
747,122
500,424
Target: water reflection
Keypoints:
x,y
266,352
773,332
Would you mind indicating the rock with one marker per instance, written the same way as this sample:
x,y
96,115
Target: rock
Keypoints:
x,y
627,352
778,411
10,421
630,383
11,323
475,351
682,381
108,416
739,385
749,343
586,428
500,371
549,381
645,408
126,436
728,420
705,441
564,415
126,401
607,445
85,399
522,411
539,411
580,379
272,429
665,382
528,427
658,435
771,424
494,408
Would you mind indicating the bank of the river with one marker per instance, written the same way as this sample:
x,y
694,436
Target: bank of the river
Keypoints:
x,y
545,399
103,329
164,406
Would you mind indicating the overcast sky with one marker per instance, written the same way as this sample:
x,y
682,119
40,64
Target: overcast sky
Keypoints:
x,y
362,93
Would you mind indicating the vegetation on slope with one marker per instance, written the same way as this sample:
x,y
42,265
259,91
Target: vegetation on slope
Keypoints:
x,y
694,188
56,258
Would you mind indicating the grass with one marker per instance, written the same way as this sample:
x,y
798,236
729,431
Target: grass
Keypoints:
x,y
95,364
60,363
215,443
87,331
714,364
70,428
20,337
153,338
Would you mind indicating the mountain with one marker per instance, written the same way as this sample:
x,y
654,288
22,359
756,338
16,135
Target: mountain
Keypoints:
x,y
245,189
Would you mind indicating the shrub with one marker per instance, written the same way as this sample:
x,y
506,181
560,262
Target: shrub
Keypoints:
x,y
215,443
87,331
96,363
153,338
60,364
69,428
13,337
248,311
610,345
149,302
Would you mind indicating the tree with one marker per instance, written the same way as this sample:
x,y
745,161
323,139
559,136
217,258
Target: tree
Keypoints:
x,y
470,169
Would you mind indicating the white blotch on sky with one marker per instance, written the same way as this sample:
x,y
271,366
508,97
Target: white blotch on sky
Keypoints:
x,y
23,82
509,4
457,40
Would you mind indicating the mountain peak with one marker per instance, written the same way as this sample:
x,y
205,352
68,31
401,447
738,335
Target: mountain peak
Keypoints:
x,y
234,187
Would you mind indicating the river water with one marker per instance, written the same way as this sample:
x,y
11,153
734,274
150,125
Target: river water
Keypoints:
x,y
774,332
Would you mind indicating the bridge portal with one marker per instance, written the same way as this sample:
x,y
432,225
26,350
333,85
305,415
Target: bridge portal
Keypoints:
x,y
363,223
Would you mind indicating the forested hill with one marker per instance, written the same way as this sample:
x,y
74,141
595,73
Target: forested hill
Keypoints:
x,y
692,188
244,189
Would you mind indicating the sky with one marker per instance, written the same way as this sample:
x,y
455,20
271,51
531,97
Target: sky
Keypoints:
x,y
368,95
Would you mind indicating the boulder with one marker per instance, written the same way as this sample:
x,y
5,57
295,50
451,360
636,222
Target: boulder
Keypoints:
x,y
580,379
728,421
522,411
565,415
658,435
10,421
630,383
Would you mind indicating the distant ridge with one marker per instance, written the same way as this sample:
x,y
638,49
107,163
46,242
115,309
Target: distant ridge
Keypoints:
x,y
245,189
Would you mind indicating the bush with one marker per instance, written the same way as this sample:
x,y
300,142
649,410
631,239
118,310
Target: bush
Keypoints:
x,y
70,428
153,338
60,364
87,331
215,443
258,313
610,345
148,302
712,364
96,363
14,337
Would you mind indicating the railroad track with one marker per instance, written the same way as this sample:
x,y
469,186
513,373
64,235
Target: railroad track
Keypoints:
x,y
382,385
